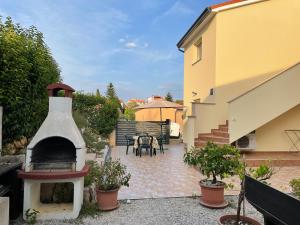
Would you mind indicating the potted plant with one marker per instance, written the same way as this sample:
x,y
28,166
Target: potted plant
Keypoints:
x,y
261,173
112,176
214,161
295,185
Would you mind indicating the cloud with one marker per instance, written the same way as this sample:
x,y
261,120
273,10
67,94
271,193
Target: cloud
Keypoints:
x,y
88,39
131,45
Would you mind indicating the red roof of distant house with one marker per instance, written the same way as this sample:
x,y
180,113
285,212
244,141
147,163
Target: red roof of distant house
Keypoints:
x,y
226,3
156,97
136,100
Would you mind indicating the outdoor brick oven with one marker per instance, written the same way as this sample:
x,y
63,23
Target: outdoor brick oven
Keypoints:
x,y
55,161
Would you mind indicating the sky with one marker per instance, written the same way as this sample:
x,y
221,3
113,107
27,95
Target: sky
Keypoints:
x,y
131,43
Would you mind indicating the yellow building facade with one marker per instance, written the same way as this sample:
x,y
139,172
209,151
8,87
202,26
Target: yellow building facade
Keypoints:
x,y
241,72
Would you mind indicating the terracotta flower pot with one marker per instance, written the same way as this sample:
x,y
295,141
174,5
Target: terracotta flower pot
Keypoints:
x,y
107,200
212,195
248,220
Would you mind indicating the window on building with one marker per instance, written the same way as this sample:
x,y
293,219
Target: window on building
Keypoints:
x,y
198,50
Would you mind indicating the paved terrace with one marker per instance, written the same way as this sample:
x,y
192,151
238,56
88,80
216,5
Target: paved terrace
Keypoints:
x,y
166,175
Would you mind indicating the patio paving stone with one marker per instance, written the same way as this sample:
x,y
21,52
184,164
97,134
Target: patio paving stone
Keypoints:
x,y
166,175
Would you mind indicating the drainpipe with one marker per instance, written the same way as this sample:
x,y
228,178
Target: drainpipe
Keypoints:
x,y
181,50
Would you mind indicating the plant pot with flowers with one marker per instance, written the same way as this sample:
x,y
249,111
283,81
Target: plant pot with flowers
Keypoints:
x,y
217,162
112,176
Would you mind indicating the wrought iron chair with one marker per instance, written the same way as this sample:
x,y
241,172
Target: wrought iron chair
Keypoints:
x,y
129,142
144,142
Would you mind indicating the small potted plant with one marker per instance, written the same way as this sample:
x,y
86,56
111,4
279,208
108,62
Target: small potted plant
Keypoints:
x,y
261,173
112,176
214,161
295,185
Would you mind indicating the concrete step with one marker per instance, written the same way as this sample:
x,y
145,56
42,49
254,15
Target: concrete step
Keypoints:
x,y
213,139
225,129
200,143
223,126
219,133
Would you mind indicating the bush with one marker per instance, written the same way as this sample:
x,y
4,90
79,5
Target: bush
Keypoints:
x,y
113,175
93,174
88,210
90,136
104,119
295,184
101,114
84,102
214,160
26,68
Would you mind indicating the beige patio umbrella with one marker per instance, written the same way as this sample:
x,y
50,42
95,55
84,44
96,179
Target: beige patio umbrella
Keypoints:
x,y
160,104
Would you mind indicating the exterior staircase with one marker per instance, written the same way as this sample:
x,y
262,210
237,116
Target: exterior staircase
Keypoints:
x,y
264,103
219,136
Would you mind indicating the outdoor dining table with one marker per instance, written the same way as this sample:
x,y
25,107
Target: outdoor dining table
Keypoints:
x,y
155,144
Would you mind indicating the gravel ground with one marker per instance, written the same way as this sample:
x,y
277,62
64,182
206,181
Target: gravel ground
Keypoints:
x,y
167,211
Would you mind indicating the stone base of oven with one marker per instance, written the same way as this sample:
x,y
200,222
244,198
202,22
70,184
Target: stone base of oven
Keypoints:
x,y
32,191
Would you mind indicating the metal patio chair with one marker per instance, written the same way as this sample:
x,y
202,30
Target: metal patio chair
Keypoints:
x,y
129,142
144,142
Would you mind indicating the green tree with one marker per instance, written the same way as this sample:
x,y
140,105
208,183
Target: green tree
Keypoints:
x,y
179,101
169,97
104,119
129,113
110,92
26,68
83,102
98,93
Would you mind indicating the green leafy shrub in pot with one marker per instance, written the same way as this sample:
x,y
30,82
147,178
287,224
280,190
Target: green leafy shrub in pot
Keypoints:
x,y
295,184
214,161
113,175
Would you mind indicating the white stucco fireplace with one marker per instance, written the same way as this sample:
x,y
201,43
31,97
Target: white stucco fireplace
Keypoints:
x,y
55,162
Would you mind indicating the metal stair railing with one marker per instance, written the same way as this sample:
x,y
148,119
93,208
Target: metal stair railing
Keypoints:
x,y
294,137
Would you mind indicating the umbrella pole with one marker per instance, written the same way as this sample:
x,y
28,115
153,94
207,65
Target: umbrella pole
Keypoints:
x,y
160,122
161,131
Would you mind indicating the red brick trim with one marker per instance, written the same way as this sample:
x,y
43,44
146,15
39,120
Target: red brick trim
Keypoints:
x,y
226,3
53,175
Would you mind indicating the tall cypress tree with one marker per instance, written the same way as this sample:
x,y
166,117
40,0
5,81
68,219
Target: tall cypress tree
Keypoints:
x,y
110,91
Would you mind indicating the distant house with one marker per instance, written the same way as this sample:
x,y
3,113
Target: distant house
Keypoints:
x,y
242,76
154,98
137,101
